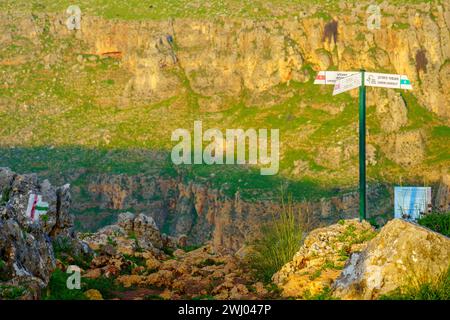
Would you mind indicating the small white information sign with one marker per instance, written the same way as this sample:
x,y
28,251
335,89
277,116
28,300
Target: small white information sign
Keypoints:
x,y
387,80
412,202
347,83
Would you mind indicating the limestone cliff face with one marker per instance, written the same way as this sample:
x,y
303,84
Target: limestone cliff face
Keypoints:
x,y
220,59
204,213
227,56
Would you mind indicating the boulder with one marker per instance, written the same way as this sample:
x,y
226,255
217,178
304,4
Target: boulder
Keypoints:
x,y
93,294
402,254
26,251
131,232
321,257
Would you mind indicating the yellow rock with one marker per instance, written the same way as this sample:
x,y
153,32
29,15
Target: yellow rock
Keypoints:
x,y
401,255
93,294
152,263
130,280
166,294
93,273
318,262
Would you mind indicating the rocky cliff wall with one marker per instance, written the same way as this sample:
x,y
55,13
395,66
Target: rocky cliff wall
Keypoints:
x,y
226,56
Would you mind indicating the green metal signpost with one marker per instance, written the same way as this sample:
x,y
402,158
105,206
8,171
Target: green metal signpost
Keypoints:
x,y
362,149
347,80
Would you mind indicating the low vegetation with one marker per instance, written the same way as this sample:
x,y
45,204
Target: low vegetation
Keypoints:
x,y
10,292
279,241
423,290
437,222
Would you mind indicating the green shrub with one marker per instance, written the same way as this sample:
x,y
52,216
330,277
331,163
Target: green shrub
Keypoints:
x,y
11,292
209,262
439,290
63,249
106,286
279,241
325,294
57,288
191,247
5,196
4,276
204,297
437,222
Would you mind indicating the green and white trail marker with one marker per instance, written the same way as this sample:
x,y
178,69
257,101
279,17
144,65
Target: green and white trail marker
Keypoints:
x,y
36,207
347,80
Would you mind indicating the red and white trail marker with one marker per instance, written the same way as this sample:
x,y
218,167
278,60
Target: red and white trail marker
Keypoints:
x,y
36,207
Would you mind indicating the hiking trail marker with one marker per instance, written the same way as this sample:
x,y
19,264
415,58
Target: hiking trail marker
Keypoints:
x,y
36,207
347,80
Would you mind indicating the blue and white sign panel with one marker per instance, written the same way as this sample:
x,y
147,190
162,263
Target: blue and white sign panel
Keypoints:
x,y
412,202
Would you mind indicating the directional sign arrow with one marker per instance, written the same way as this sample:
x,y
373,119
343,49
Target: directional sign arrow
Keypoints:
x,y
330,77
347,83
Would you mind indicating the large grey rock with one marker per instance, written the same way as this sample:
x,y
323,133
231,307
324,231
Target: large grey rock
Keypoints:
x,y
25,246
132,231
402,254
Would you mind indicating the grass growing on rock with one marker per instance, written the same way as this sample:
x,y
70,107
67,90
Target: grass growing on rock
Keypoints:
x,y
278,243
423,290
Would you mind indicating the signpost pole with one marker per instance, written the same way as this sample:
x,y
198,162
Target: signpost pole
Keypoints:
x,y
348,80
362,149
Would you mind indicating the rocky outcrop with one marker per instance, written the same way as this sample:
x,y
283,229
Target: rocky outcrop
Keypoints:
x,y
442,198
402,254
407,148
229,55
130,233
138,257
390,109
323,254
26,251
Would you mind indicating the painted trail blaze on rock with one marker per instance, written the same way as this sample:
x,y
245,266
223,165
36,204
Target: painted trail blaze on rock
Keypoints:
x,y
36,207
26,250
401,254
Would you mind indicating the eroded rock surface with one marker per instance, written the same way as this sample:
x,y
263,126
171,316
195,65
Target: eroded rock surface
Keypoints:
x,y
26,251
402,254
147,263
322,256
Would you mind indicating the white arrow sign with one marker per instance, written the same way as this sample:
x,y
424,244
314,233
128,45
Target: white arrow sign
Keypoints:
x,y
347,83
387,80
330,77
